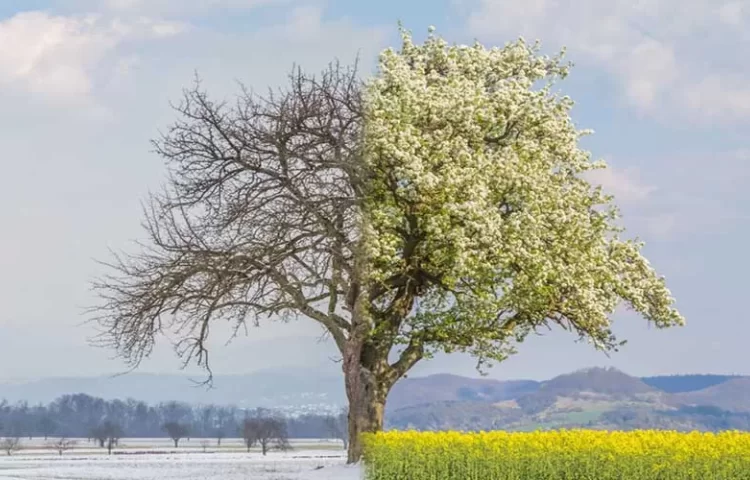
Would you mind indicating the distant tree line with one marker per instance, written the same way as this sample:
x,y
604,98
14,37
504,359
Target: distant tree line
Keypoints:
x,y
106,421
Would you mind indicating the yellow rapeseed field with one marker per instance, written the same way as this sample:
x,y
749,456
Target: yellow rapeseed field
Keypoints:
x,y
559,455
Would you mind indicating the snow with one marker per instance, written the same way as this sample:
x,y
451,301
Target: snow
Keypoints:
x,y
131,462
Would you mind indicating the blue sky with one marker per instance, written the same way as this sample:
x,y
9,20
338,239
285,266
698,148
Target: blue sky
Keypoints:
x,y
84,84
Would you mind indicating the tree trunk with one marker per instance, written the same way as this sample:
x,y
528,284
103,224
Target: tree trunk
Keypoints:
x,y
367,385
368,375
176,441
365,416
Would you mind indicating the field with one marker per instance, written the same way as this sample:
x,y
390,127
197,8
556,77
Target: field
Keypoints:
x,y
395,455
155,459
568,455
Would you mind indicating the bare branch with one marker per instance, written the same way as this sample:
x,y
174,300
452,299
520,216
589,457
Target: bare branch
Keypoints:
x,y
257,221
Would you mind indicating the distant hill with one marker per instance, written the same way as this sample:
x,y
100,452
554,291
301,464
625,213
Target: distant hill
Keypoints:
x,y
265,388
603,398
686,383
601,388
609,381
732,395
450,388
453,415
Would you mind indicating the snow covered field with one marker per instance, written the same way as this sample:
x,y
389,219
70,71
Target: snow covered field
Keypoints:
x,y
142,459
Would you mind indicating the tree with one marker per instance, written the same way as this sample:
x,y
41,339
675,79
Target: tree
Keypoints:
x,y
224,416
265,431
47,426
114,434
440,206
99,434
107,434
62,444
337,427
248,433
176,431
207,414
219,434
10,445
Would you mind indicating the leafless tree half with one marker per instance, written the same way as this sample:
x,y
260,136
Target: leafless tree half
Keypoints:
x,y
262,219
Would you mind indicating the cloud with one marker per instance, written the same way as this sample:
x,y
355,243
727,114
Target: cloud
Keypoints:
x,y
661,226
699,193
658,51
59,57
174,8
625,184
734,13
718,97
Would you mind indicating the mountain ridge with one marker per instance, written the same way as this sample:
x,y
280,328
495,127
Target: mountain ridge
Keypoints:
x,y
594,398
308,386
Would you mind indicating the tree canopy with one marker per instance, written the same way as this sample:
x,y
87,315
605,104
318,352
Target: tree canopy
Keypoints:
x,y
477,187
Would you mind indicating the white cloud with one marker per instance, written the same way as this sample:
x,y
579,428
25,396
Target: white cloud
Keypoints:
x,y
663,226
742,155
662,52
305,21
176,7
657,69
733,13
697,193
625,184
58,57
718,97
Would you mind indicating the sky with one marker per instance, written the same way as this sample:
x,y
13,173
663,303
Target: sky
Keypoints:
x,y
85,84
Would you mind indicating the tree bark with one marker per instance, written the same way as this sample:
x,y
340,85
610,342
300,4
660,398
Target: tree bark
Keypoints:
x,y
367,380
366,414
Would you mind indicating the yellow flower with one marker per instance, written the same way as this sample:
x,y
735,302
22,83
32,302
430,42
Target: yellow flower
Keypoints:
x,y
641,455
